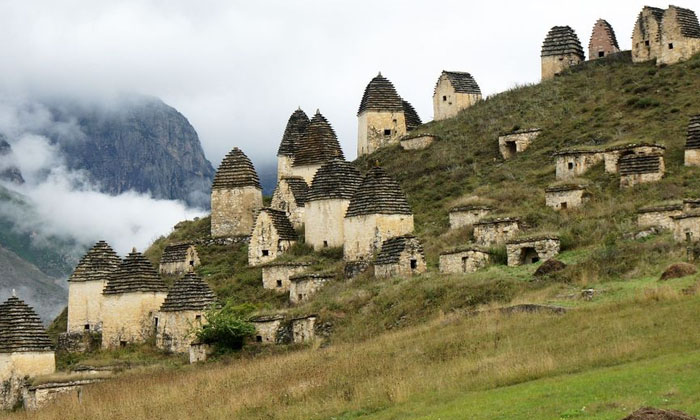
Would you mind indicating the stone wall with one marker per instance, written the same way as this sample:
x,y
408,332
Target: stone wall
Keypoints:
x,y
265,243
301,289
572,165
447,103
365,234
303,329
283,199
417,142
284,166
35,397
27,363
276,276
686,228
627,181
510,144
411,262
79,342
530,251
233,211
661,217
602,42
190,261
200,352
675,47
555,64
463,261
85,301
467,215
305,171
559,199
647,32
612,156
692,157
377,129
10,390
324,223
495,232
175,331
267,330
128,317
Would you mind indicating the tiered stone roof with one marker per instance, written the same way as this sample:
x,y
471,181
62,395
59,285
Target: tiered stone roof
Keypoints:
x,y
135,274
410,115
660,208
380,95
462,82
532,238
318,144
299,188
562,40
609,32
466,248
97,264
497,220
693,140
393,247
190,293
336,179
282,225
21,329
236,171
175,253
688,22
564,187
469,207
640,164
378,194
311,276
296,126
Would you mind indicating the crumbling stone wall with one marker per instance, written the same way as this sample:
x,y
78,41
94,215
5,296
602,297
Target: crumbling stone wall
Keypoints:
x,y
304,287
303,329
531,250
612,155
647,35
641,168
378,129
283,199
265,242
417,142
276,276
233,211
487,233
128,317
175,331
79,342
284,166
571,164
200,352
676,46
660,216
564,197
404,267
365,234
464,261
35,397
305,171
447,102
267,329
14,367
686,227
324,223
516,142
181,267
467,215
85,302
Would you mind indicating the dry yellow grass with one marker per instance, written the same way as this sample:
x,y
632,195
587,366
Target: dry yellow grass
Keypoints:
x,y
452,353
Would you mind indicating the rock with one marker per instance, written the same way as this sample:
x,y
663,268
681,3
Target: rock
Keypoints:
x,y
678,270
649,413
550,266
587,294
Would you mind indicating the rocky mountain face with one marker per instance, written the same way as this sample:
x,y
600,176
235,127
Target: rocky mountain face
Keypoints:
x,y
8,172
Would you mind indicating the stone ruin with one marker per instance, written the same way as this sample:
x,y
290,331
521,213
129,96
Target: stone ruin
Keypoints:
x,y
383,116
275,329
400,256
612,155
686,226
305,285
667,36
454,91
417,141
692,143
267,328
317,145
272,235
235,197
178,259
603,41
510,144
296,126
464,260
467,215
565,196
561,49
658,216
532,249
304,329
275,276
496,231
641,168
290,197
199,352
574,163
183,310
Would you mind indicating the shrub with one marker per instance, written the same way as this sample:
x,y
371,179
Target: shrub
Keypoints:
x,y
227,327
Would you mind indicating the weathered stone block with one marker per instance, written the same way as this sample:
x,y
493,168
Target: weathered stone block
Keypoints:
x,y
276,276
532,250
495,231
464,260
561,197
467,215
516,142
304,286
417,141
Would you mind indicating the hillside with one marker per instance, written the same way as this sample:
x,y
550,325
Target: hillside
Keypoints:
x,y
437,346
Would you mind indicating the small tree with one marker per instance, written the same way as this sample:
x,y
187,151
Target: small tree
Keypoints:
x,y
227,327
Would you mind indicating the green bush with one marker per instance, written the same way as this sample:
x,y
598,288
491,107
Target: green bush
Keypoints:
x,y
227,327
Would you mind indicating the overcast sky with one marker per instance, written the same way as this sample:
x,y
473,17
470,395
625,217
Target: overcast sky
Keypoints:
x,y
237,70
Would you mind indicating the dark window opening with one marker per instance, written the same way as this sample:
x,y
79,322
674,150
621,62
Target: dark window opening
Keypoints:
x,y
198,318
535,259
465,262
571,165
258,338
511,147
688,236
646,43
87,327
300,296
601,54
191,263
563,204
325,244
561,58
395,121
529,256
265,253
122,344
414,264
155,322
444,98
279,283
387,132
670,46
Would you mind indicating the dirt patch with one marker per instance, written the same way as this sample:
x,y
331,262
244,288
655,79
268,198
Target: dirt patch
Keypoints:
x,y
549,266
678,270
649,413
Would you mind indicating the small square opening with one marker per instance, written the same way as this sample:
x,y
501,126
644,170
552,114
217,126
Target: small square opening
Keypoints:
x,y
198,318
87,327
155,322
689,236
325,244
258,338
387,131
265,253
563,205
300,296
646,43
570,165
670,46
444,98
601,54
414,264
122,344
511,147
191,263
279,283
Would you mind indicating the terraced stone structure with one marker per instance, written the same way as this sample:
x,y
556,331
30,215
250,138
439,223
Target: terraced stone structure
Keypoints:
x,y
275,276
686,226
417,141
495,231
272,235
574,163
303,286
692,143
235,197
612,155
510,144
333,186
296,126
659,216
467,215
85,286
565,196
464,260
378,211
532,249
25,350
383,116
680,35
454,91
318,145
134,293
290,197
178,258
182,312
561,49
267,328
641,168
304,329
646,36
400,256
603,41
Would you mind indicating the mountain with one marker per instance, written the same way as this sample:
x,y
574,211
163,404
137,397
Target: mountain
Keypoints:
x,y
8,172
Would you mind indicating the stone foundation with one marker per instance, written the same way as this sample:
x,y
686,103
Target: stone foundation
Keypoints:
x,y
692,157
553,65
466,260
35,397
531,250
175,330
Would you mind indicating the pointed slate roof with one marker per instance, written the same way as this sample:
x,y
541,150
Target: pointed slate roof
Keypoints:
x,y
687,21
21,329
296,126
336,179
189,293
298,187
393,247
380,95
318,144
378,194
410,115
97,264
606,27
175,253
462,82
281,222
693,140
135,274
236,171
562,40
